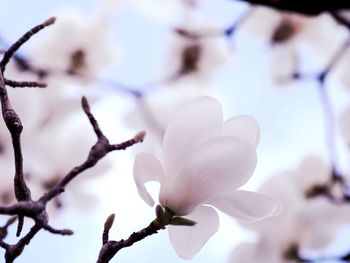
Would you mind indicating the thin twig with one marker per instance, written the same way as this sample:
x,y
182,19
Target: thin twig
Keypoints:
x,y
9,53
164,217
299,6
25,206
24,84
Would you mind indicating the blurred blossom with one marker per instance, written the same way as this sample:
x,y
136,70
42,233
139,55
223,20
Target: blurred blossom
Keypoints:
x,y
256,252
293,33
58,149
302,221
153,112
344,124
205,161
284,64
26,102
76,45
106,7
342,68
39,107
7,194
168,11
194,56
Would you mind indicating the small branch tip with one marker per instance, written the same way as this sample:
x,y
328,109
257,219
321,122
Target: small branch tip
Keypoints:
x,y
139,137
50,21
67,232
109,222
85,104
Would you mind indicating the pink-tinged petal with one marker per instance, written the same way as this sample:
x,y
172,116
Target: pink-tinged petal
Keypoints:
x,y
245,205
262,251
193,123
217,166
245,252
243,127
188,240
147,168
312,171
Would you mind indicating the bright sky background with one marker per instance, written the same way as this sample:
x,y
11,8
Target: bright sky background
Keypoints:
x,y
291,127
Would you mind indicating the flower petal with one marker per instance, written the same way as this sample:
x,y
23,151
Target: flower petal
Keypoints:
x,y
147,168
243,127
188,240
193,123
344,122
217,166
245,205
262,251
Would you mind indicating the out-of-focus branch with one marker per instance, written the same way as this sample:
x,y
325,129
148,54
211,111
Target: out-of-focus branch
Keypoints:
x,y
139,92
13,251
97,152
13,121
340,19
336,178
9,53
24,84
3,230
25,206
164,217
302,7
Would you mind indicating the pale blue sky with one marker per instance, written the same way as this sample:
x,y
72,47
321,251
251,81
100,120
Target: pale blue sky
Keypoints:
x,y
291,123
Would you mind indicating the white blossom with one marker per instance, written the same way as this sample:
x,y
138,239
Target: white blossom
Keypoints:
x,y
7,194
263,251
302,221
163,10
344,123
153,112
292,36
58,149
76,46
197,56
205,161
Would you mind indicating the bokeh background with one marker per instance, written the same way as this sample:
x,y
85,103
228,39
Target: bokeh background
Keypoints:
x,y
291,118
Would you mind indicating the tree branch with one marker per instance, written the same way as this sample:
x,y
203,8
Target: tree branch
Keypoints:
x,y
10,52
25,206
164,217
302,7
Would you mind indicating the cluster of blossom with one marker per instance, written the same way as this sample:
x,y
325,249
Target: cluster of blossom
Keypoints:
x,y
200,161
54,134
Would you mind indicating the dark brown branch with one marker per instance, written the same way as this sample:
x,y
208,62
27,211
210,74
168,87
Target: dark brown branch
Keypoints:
x,y
15,128
111,248
13,251
4,245
24,84
302,7
122,146
63,232
94,124
97,152
108,225
13,121
26,207
164,217
3,230
340,19
37,209
9,53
